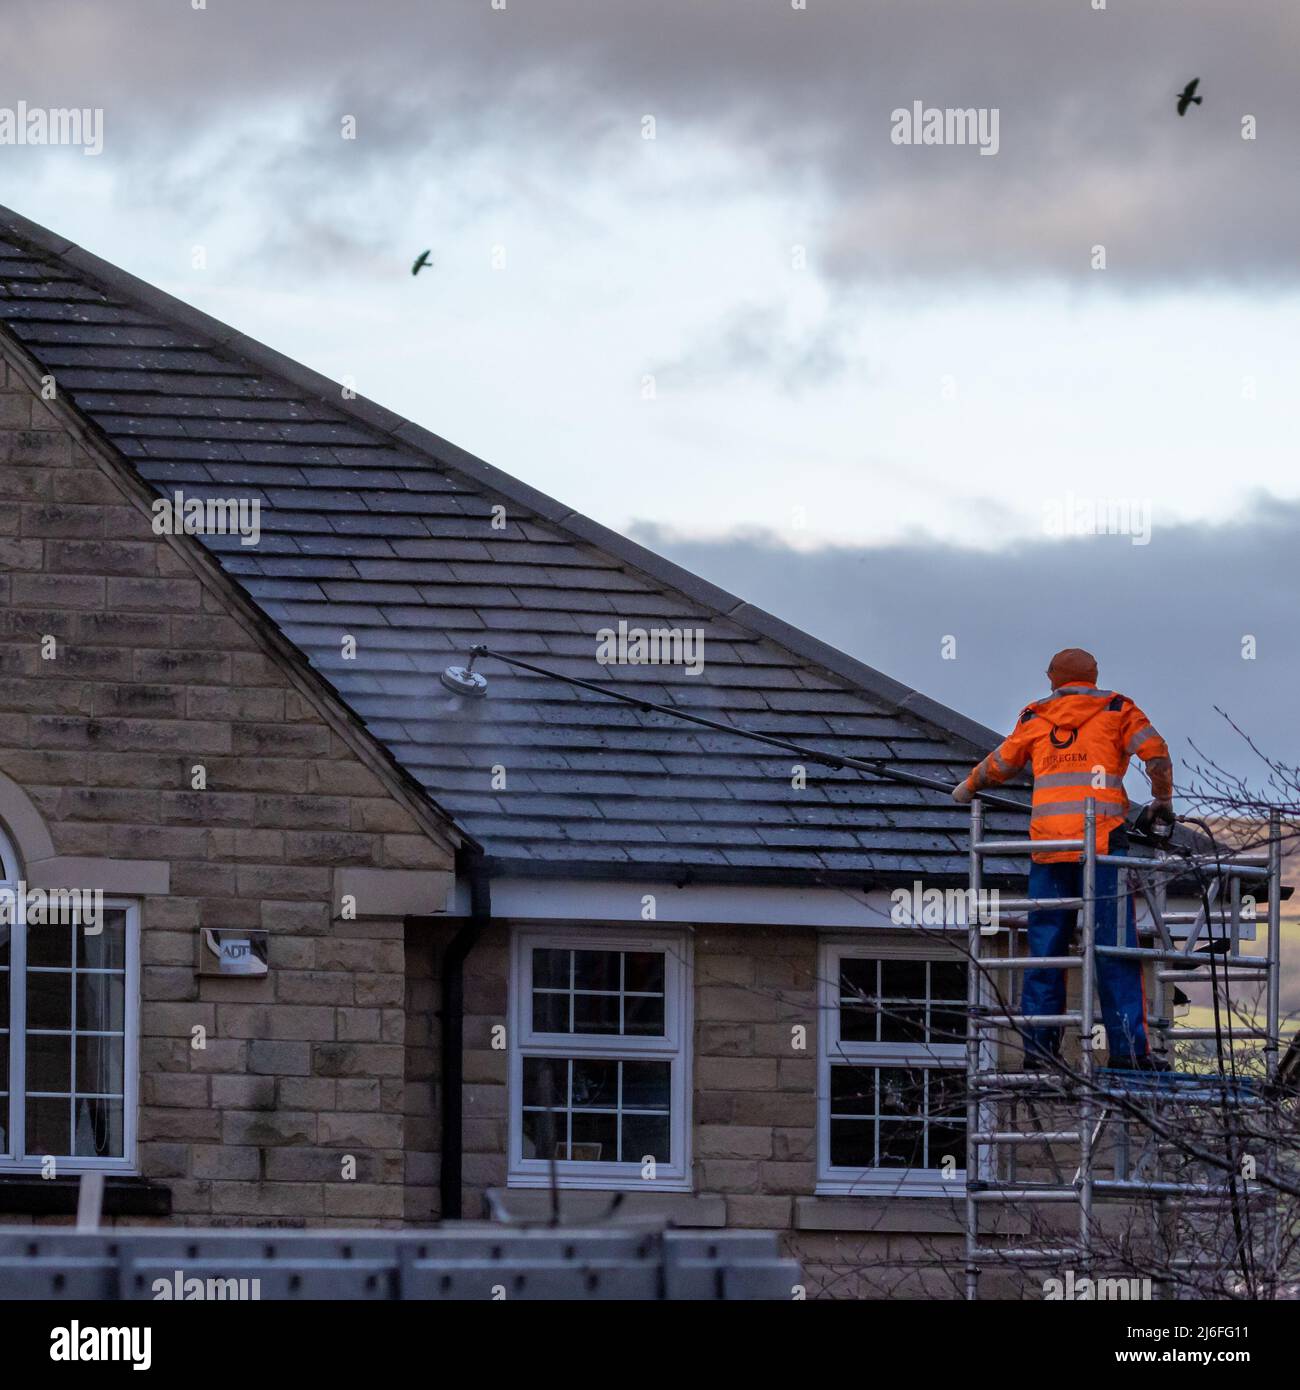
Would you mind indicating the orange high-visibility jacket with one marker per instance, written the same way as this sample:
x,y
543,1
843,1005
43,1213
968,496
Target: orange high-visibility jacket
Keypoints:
x,y
1078,742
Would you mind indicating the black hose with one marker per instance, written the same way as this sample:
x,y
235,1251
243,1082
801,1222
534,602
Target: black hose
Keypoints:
x,y
836,761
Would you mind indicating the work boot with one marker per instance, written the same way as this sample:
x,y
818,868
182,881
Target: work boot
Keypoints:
x,y
1147,1062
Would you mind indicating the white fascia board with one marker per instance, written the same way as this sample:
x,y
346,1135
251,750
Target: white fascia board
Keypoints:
x,y
604,900
600,900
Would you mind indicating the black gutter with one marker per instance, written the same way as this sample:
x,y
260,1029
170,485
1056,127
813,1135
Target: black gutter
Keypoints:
x,y
453,1037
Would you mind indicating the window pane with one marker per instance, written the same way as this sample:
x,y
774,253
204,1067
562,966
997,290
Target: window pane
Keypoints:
x,y
948,980
947,1093
644,1016
544,1133
647,1085
646,1136
546,1081
49,1062
595,1013
858,1024
99,1066
596,970
49,1127
643,971
49,999
106,949
902,979
853,1090
853,1143
101,1003
947,1026
4,999
902,1091
98,1128
859,1019
551,1013
947,1142
595,1083
595,1138
857,978
550,968
49,944
900,1143
904,1023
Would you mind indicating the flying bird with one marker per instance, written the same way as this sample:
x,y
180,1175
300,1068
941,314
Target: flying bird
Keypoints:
x,y
423,259
1186,97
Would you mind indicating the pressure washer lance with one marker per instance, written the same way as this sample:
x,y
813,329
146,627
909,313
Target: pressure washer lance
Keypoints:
x,y
466,681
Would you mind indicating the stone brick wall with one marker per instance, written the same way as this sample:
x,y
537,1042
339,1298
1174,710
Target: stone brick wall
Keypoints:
x,y
155,672
483,1113
424,948
756,1080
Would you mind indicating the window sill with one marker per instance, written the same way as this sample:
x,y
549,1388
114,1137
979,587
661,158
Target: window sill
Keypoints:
x,y
600,1182
34,1196
577,1206
924,1184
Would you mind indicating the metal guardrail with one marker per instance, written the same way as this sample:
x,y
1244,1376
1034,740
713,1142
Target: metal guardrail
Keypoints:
x,y
476,1262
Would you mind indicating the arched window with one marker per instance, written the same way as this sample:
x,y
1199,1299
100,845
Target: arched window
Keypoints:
x,y
69,1018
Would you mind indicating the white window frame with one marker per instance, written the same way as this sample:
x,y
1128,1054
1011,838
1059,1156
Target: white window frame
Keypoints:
x,y
897,1182
674,1047
12,1160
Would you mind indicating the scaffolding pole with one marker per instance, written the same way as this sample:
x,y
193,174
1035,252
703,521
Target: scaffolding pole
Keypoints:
x,y
974,1157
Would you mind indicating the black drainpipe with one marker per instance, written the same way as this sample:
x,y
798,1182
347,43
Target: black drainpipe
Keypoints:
x,y
453,1036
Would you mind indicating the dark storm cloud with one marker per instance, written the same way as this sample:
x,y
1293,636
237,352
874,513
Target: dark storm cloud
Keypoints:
x,y
1166,620
1091,150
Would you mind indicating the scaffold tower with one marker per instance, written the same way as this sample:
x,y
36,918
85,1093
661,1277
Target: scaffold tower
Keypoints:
x,y
1115,1129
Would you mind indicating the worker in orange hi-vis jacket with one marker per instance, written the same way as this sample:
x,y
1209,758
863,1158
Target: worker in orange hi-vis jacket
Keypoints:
x,y
1078,742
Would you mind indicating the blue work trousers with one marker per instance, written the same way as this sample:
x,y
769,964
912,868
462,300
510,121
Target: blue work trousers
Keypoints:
x,y
1119,981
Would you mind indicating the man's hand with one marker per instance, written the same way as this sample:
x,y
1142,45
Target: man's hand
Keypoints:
x,y
1163,812
962,794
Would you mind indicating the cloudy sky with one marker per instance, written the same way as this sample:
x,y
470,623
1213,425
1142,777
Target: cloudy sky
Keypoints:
x,y
885,390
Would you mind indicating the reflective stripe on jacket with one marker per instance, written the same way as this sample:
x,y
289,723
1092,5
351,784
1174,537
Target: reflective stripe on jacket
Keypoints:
x,y
1078,743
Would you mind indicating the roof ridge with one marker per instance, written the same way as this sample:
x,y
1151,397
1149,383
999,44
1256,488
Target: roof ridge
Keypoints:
x,y
856,674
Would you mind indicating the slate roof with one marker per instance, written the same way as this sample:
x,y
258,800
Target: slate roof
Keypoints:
x,y
373,527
